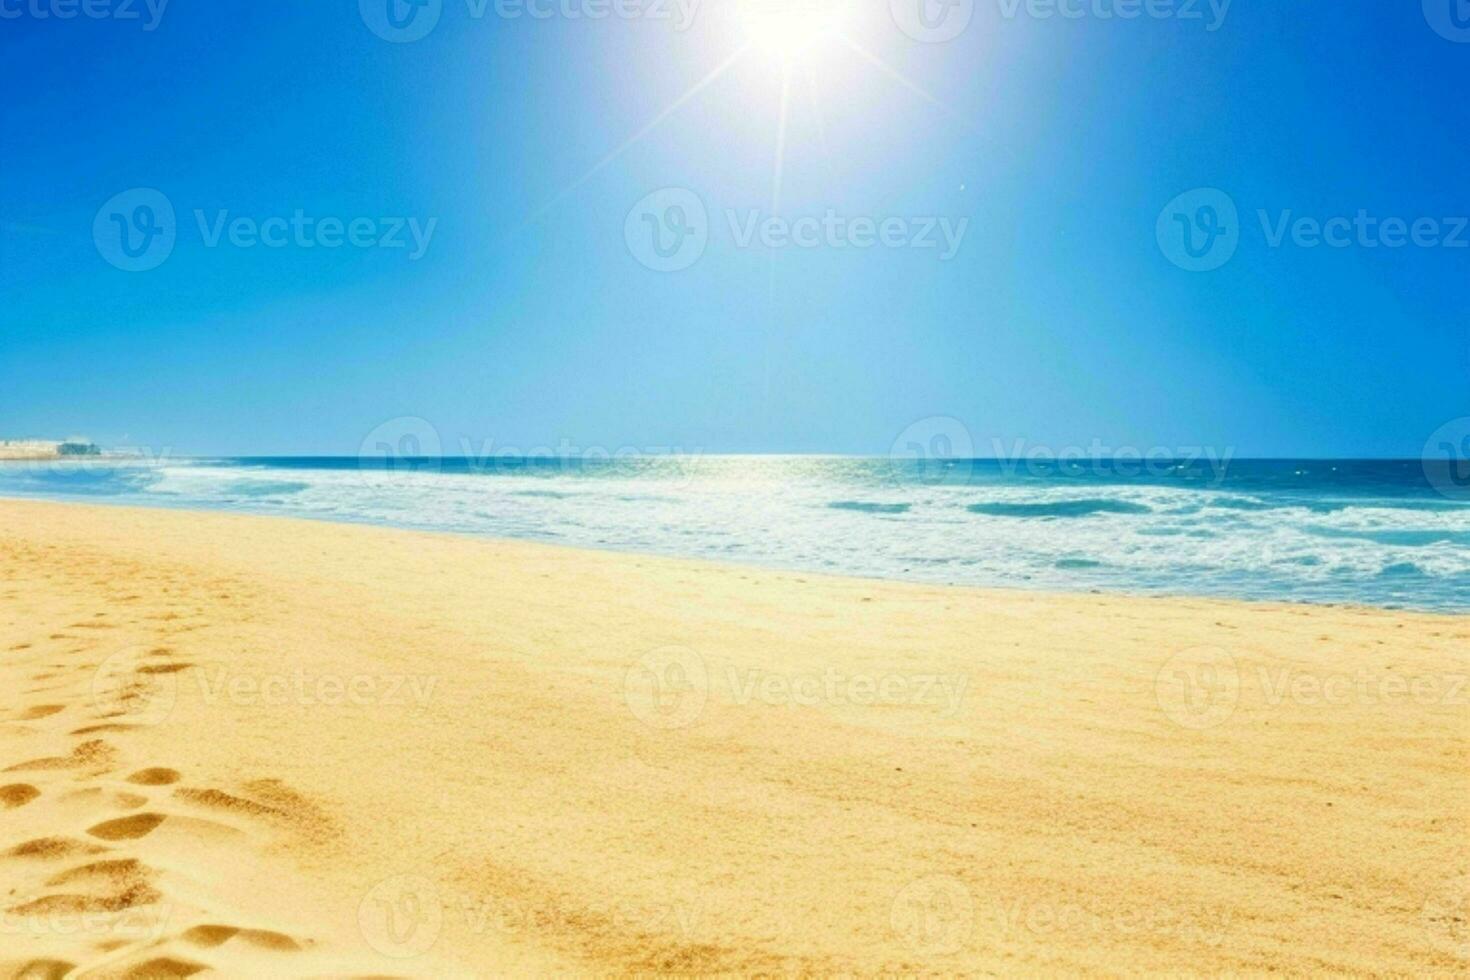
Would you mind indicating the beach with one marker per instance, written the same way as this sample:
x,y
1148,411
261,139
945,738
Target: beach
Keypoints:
x,y
27,451
266,745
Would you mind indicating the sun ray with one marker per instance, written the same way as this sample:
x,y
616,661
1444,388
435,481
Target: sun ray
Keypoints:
x,y
780,169
814,104
897,75
647,128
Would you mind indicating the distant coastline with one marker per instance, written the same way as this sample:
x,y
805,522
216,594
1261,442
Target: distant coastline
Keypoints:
x,y
47,449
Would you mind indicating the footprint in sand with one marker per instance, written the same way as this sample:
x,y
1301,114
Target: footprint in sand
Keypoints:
x,y
112,726
218,800
144,693
128,828
45,970
163,668
41,711
212,937
95,753
17,795
114,872
154,777
164,968
52,848
130,897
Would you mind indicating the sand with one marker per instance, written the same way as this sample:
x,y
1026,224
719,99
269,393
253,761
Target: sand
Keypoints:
x,y
270,747
28,451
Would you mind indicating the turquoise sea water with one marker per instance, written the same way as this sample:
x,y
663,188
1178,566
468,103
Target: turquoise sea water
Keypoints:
x,y
1386,533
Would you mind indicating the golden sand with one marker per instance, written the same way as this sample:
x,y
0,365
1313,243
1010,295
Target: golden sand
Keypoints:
x,y
271,747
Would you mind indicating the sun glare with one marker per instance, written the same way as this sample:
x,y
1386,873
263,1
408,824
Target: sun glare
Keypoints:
x,y
792,29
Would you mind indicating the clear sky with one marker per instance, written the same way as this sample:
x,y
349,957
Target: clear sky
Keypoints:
x,y
1050,146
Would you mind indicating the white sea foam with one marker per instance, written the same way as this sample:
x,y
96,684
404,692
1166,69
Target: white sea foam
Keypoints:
x,y
867,519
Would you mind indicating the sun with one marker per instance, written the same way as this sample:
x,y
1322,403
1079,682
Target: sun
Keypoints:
x,y
789,30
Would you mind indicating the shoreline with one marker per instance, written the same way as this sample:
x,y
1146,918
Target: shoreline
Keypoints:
x,y
346,748
751,565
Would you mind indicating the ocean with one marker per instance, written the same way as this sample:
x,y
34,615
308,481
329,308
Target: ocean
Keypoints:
x,y
1381,533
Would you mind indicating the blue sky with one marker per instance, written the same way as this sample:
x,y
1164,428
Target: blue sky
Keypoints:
x,y
529,319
